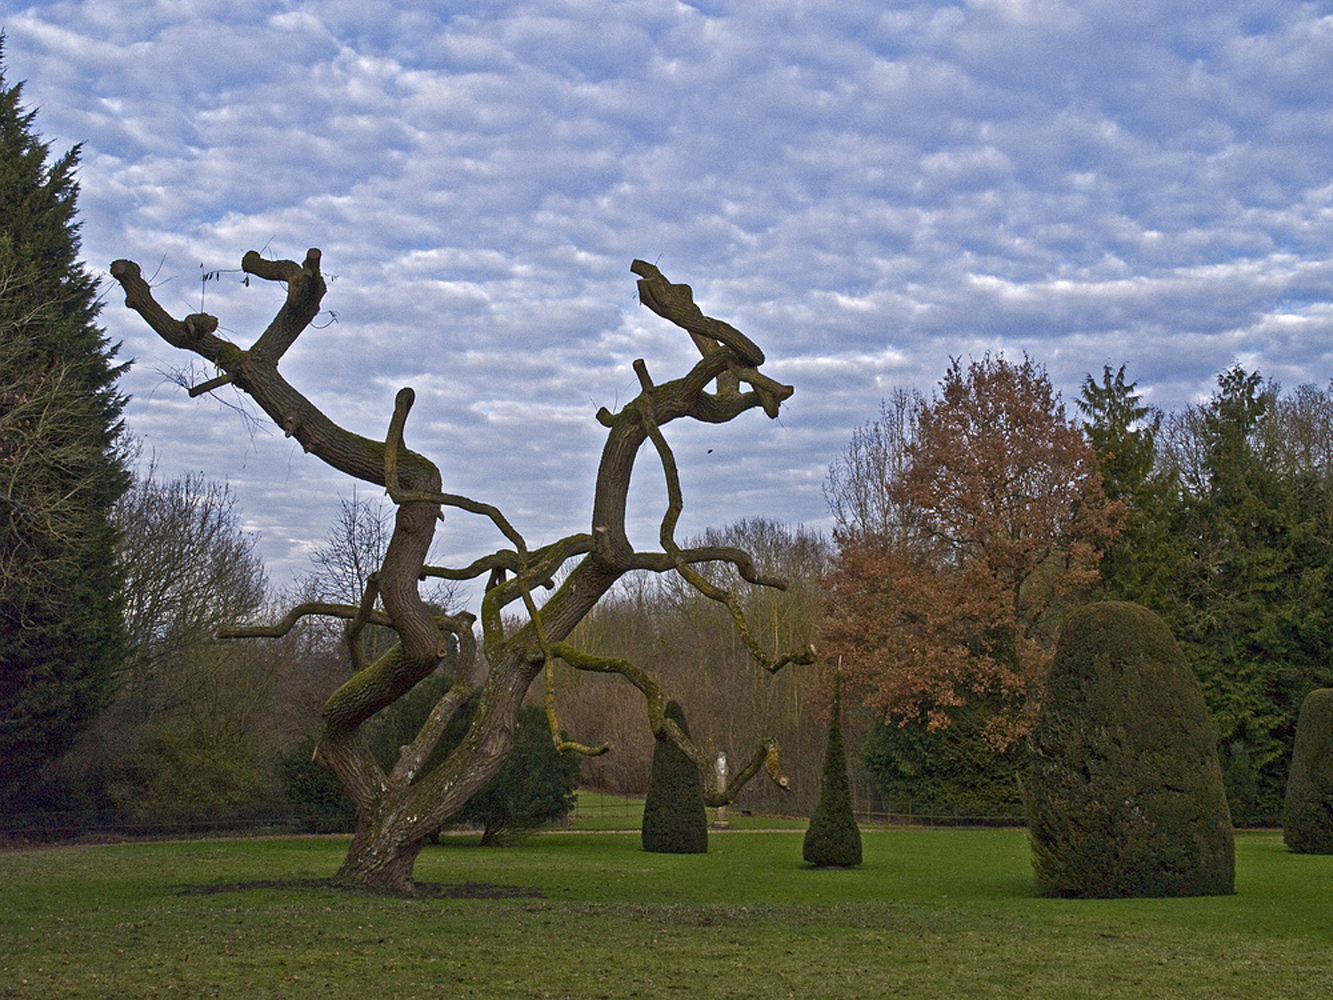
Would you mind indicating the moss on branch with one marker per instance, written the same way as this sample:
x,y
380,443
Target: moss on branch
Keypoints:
x,y
768,755
396,811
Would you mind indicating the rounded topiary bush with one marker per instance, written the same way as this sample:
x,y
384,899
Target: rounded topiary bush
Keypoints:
x,y
833,840
1124,795
1307,813
674,818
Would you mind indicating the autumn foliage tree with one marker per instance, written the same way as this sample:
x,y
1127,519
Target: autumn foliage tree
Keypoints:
x,y
522,635
998,521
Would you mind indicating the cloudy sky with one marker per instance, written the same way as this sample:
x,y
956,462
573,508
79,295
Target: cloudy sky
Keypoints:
x,y
864,188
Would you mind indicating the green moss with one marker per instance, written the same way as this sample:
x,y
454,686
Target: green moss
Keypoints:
x,y
1125,794
230,356
370,686
674,818
1307,814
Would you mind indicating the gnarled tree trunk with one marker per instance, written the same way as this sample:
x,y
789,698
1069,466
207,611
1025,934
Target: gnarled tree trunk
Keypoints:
x,y
397,811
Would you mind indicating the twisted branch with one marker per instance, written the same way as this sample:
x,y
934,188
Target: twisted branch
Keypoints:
x,y
467,679
364,613
281,628
666,535
545,561
767,755
414,485
676,303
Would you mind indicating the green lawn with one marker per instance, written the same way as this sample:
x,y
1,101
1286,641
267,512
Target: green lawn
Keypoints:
x,y
931,913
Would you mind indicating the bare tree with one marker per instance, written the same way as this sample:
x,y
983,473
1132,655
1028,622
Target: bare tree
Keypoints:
x,y
353,548
341,568
859,488
189,729
398,811
189,568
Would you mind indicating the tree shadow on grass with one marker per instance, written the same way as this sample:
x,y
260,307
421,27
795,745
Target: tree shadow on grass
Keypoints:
x,y
422,890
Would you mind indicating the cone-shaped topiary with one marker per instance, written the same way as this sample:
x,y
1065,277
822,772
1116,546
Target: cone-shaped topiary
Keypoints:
x,y
674,818
1307,814
833,838
1125,796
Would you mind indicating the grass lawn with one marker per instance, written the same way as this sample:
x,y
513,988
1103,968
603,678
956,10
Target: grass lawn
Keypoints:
x,y
931,913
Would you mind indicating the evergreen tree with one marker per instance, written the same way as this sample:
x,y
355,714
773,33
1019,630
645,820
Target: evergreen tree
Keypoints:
x,y
1124,432
1229,537
1253,588
674,818
833,840
950,769
61,637
536,786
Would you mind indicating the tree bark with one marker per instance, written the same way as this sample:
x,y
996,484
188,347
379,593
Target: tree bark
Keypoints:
x,y
399,811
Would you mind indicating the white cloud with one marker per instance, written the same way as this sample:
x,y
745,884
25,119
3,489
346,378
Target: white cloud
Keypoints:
x,y
866,191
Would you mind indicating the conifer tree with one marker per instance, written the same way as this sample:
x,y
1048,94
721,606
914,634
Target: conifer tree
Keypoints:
x,y
1228,539
61,637
674,818
833,839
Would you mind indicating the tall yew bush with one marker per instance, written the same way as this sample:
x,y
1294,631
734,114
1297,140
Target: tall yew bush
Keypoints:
x,y
1307,815
674,818
1125,793
833,839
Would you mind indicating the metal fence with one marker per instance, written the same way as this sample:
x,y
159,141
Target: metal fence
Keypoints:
x,y
49,826
881,813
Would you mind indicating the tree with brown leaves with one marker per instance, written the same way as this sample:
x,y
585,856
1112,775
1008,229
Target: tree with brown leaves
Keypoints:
x,y
999,521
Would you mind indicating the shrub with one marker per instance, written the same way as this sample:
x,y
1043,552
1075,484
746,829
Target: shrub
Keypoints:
x,y
1307,814
674,818
397,725
951,770
1125,793
1240,777
536,786
833,839
318,802
178,775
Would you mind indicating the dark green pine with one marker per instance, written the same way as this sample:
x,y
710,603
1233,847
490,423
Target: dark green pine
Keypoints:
x,y
61,635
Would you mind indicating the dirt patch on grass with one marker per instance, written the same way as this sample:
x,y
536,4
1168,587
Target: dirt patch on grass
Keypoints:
x,y
425,890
